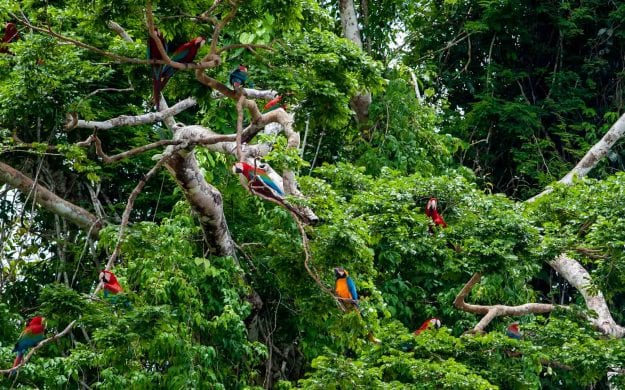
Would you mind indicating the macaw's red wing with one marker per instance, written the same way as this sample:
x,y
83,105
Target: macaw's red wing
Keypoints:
x,y
431,210
430,323
10,35
273,104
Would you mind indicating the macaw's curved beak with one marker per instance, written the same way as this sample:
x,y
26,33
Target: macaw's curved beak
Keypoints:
x,y
237,168
339,272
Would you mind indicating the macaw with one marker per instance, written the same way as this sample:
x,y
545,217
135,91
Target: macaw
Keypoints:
x,y
431,210
31,336
430,323
345,287
239,78
161,74
273,104
513,331
10,35
259,181
110,283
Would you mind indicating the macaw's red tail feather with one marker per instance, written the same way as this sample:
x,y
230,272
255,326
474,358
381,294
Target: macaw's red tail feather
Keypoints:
x,y
18,360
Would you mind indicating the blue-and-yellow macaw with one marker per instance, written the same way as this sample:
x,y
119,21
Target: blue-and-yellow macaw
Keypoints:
x,y
345,287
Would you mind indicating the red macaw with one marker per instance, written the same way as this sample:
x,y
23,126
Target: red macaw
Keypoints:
x,y
431,210
345,287
10,35
110,283
30,336
513,331
430,323
161,74
273,104
259,181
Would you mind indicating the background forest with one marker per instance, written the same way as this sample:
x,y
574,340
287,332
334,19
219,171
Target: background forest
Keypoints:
x,y
508,112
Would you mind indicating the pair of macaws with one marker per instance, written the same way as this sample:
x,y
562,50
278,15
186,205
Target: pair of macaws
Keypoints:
x,y
161,74
10,35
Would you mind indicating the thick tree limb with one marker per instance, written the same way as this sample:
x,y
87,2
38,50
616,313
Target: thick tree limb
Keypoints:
x,y
592,157
127,120
37,347
46,198
492,311
579,278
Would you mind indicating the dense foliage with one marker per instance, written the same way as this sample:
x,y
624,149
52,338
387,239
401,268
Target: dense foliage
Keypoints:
x,y
189,319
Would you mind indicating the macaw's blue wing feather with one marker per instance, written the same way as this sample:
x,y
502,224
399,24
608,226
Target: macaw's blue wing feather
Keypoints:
x,y
270,183
27,340
352,288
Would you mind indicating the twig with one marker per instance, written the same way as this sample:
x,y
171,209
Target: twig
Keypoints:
x,y
37,347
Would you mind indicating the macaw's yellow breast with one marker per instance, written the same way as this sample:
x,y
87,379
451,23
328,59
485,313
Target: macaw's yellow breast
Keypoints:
x,y
341,288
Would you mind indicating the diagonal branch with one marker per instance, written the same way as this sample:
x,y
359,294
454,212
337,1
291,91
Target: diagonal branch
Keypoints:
x,y
46,198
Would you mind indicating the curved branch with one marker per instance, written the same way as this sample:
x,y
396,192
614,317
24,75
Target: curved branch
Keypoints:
x,y
492,311
37,347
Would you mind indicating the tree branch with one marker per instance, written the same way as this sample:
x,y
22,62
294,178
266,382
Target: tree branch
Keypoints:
x,y
46,198
126,120
492,311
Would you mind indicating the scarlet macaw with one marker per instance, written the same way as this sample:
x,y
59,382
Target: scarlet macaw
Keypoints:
x,y
345,287
30,336
430,323
273,104
161,74
111,287
513,331
431,210
238,77
259,181
10,35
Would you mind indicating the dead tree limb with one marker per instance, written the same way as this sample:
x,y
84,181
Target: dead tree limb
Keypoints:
x,y
490,312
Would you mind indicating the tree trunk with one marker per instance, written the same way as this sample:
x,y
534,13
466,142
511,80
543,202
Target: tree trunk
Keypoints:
x,y
349,21
205,199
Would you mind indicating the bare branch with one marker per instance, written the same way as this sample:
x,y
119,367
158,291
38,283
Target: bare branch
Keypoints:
x,y
79,216
37,347
592,157
126,120
579,278
119,30
492,311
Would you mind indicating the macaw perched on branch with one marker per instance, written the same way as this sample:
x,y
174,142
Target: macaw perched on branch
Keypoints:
x,y
10,35
30,336
513,331
161,74
345,287
273,104
431,210
239,77
430,323
258,181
